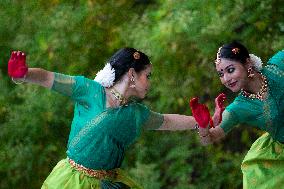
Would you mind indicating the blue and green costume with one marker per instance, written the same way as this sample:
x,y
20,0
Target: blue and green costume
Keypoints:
x,y
263,166
99,135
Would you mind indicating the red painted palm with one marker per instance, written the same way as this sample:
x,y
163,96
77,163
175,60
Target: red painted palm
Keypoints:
x,y
219,108
17,67
201,113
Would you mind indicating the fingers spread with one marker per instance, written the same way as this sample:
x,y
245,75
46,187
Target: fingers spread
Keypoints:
x,y
220,100
222,96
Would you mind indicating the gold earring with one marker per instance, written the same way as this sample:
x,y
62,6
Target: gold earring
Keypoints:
x,y
132,80
250,73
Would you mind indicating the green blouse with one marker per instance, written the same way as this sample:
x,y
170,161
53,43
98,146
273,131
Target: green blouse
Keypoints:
x,y
99,136
267,115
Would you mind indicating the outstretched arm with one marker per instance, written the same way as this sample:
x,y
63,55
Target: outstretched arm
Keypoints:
x,y
38,76
177,122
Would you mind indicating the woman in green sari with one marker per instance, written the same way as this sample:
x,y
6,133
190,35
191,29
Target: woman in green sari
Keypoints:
x,y
106,122
260,104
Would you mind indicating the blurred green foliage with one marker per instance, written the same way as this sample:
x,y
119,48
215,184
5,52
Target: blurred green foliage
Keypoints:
x,y
77,38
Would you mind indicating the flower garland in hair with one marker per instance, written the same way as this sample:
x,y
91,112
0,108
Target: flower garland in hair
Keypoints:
x,y
218,58
256,61
106,76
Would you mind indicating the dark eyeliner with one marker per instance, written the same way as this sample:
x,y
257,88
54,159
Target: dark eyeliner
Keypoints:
x,y
231,70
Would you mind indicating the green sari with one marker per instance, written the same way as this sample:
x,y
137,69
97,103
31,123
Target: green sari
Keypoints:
x,y
263,166
99,135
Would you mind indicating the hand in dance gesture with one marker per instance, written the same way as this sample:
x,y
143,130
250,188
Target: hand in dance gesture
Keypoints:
x,y
202,116
200,112
219,108
17,67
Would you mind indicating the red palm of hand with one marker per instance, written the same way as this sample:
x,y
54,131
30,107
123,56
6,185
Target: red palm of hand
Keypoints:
x,y
219,106
200,112
17,67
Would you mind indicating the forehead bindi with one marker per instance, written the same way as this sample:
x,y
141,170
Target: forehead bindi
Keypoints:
x,y
224,67
220,67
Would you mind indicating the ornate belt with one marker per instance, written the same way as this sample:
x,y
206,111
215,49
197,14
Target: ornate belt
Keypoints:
x,y
99,174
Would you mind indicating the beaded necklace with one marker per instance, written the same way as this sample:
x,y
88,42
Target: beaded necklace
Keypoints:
x,y
260,94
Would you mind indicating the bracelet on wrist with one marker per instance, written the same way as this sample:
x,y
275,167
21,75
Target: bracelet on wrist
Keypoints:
x,y
20,82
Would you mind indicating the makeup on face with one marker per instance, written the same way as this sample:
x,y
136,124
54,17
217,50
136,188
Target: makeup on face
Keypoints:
x,y
232,74
229,69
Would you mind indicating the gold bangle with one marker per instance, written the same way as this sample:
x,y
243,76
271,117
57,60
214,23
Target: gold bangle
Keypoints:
x,y
22,81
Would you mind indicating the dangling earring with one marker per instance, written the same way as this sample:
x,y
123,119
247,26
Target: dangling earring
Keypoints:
x,y
132,80
250,73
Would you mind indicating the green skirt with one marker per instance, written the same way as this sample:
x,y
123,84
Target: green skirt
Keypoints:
x,y
263,166
63,176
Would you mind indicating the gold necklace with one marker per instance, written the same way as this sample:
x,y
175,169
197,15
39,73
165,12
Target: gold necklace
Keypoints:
x,y
260,94
121,99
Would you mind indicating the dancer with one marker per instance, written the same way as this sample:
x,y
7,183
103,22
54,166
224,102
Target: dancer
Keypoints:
x,y
106,121
260,104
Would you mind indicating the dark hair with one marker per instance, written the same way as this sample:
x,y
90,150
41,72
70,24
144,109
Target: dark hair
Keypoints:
x,y
234,51
127,58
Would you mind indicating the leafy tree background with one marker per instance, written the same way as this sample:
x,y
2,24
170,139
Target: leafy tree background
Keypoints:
x,y
77,37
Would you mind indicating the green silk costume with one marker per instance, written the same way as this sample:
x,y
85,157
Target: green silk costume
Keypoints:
x,y
99,135
263,165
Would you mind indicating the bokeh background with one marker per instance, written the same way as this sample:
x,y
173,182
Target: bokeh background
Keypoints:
x,y
77,37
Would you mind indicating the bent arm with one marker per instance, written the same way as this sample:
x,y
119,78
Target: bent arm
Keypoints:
x,y
39,76
76,87
177,122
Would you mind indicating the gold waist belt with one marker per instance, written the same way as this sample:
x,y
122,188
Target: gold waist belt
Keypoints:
x,y
99,174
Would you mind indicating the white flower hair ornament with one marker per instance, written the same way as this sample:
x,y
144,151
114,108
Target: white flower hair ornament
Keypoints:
x,y
106,76
257,63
